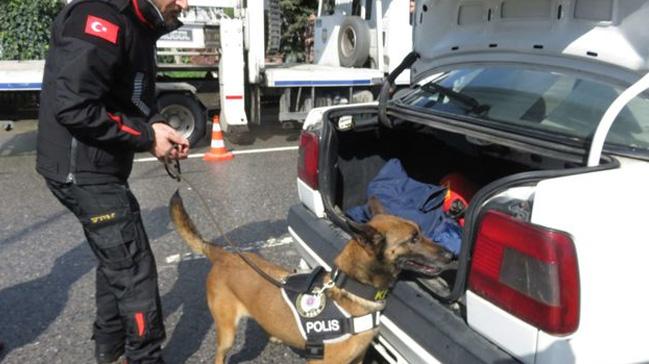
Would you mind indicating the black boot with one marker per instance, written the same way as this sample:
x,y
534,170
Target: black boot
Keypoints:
x,y
108,353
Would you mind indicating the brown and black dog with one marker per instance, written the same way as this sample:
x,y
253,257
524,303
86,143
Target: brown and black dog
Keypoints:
x,y
375,255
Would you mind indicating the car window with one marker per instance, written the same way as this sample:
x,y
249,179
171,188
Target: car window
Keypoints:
x,y
549,101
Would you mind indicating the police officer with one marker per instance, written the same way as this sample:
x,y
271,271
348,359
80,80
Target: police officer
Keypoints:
x,y
97,109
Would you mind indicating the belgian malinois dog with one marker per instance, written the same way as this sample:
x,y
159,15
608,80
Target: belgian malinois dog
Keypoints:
x,y
378,251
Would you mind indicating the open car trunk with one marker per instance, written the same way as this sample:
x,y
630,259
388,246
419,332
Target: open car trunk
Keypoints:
x,y
356,146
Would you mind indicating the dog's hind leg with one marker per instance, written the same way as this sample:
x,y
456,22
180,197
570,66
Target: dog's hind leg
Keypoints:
x,y
226,312
226,329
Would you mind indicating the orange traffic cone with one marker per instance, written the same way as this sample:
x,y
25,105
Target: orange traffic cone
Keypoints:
x,y
217,152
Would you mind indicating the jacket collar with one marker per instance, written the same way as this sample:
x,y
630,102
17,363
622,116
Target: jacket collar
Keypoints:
x,y
120,4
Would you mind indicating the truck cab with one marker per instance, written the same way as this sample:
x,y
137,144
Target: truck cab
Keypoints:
x,y
372,34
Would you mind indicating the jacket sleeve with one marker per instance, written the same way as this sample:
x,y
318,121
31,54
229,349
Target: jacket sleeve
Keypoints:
x,y
92,46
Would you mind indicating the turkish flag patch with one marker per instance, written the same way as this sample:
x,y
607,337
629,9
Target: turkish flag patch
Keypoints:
x,y
102,28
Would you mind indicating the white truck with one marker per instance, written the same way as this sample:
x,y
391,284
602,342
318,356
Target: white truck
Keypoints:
x,y
356,44
541,106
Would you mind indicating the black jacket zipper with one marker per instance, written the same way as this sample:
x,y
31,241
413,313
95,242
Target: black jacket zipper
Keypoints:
x,y
73,162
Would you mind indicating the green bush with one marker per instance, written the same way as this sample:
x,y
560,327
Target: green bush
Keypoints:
x,y
295,14
25,27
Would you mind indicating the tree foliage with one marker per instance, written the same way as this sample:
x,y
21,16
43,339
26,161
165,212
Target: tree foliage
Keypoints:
x,y
295,14
25,27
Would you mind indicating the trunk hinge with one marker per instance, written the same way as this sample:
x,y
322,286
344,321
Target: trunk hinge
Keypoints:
x,y
388,85
609,117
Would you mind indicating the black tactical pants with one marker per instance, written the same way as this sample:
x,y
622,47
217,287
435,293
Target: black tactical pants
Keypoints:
x,y
128,302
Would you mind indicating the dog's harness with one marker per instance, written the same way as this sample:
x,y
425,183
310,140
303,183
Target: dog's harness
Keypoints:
x,y
321,320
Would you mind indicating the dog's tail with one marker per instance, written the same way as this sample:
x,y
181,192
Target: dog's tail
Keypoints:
x,y
185,227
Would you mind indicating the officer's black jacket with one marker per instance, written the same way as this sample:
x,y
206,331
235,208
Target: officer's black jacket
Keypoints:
x,y
98,98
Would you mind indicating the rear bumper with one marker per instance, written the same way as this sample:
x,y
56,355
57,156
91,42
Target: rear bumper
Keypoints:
x,y
417,326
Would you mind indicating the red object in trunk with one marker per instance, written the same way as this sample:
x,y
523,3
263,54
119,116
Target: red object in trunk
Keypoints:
x,y
460,189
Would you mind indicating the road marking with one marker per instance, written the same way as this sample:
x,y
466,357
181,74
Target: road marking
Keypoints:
x,y
154,159
235,152
264,150
247,247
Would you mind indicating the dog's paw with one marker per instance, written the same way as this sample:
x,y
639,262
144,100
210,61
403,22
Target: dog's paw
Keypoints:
x,y
274,340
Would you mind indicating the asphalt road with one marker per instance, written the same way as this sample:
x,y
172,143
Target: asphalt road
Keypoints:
x,y
47,269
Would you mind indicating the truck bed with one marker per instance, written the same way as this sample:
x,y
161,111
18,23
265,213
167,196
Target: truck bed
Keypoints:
x,y
307,75
21,75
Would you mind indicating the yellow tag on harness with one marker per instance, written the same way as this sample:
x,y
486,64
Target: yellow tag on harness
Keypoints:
x,y
381,295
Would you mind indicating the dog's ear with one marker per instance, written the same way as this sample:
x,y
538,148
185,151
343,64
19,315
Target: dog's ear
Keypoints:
x,y
375,206
370,238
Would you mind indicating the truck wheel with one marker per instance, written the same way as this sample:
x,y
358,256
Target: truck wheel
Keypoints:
x,y
185,114
353,42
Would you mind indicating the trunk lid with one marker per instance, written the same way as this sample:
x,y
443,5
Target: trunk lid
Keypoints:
x,y
603,37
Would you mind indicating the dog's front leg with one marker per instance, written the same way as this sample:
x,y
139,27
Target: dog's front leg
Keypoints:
x,y
359,359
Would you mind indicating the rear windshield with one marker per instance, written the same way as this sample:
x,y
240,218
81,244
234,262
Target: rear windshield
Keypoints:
x,y
553,102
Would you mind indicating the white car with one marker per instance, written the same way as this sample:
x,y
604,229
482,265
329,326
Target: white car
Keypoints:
x,y
540,104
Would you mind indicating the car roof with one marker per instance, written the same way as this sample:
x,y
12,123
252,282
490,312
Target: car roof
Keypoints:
x,y
601,37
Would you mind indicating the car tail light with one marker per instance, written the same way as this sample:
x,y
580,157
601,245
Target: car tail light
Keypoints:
x,y
527,270
307,166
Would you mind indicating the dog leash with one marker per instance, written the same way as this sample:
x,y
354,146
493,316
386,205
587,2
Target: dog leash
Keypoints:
x,y
172,166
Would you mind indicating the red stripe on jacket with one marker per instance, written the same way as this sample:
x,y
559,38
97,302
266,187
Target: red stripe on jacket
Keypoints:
x,y
122,127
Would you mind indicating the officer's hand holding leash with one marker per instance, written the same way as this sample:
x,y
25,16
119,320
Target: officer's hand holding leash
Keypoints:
x,y
168,143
